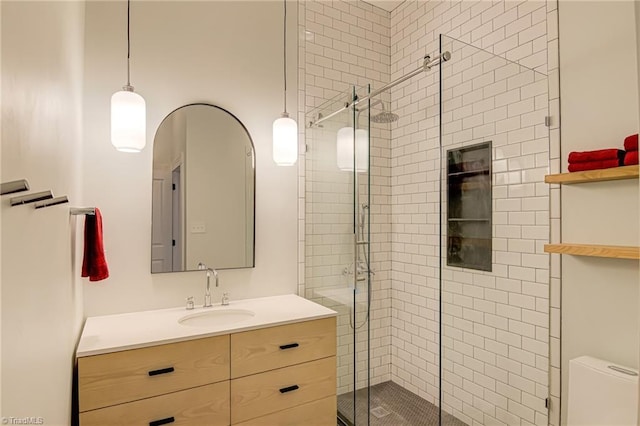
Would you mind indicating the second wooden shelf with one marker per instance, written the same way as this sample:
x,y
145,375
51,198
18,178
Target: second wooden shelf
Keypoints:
x,y
614,173
595,250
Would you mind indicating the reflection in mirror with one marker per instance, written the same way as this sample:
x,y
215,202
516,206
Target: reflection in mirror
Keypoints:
x,y
203,191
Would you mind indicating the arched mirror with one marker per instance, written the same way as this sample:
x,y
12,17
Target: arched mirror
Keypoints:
x,y
203,191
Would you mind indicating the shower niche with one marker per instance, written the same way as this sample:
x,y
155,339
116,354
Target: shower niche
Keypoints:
x,y
469,207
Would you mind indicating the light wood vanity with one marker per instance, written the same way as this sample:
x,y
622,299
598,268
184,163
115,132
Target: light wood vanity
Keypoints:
x,y
271,376
282,374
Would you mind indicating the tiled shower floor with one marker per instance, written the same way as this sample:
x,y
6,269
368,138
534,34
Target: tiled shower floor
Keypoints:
x,y
404,408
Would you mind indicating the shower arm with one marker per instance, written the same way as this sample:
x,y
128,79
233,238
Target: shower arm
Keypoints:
x,y
371,105
428,63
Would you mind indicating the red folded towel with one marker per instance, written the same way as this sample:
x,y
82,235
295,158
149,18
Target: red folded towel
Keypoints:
x,y
631,158
94,264
593,165
631,143
598,155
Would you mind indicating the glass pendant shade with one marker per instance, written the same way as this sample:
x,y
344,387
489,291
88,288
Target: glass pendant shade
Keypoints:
x,y
128,121
285,141
345,146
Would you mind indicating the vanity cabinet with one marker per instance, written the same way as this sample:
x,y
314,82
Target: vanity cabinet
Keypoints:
x,y
284,375
165,381
276,376
203,405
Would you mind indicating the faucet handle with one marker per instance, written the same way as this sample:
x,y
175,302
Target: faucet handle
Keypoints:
x,y
225,299
190,303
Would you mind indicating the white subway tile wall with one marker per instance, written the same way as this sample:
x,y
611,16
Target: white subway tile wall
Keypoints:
x,y
496,337
495,325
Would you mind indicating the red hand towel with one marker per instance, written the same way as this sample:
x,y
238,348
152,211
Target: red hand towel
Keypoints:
x,y
631,143
631,158
593,165
598,155
94,264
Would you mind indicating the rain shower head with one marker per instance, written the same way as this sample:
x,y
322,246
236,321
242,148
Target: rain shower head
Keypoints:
x,y
384,116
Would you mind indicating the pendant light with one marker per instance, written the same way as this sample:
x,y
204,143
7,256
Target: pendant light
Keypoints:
x,y
285,129
128,111
345,148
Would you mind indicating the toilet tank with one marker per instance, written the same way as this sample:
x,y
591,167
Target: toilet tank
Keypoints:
x,y
601,393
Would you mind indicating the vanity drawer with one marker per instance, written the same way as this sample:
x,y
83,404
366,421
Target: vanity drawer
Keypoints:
x,y
204,405
276,390
270,348
118,377
317,413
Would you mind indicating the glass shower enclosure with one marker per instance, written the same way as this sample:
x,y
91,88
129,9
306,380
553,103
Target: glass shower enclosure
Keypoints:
x,y
337,250
438,273
494,150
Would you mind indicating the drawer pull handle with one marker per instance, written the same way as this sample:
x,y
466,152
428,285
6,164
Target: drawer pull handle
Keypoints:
x,y
289,346
161,371
162,421
289,389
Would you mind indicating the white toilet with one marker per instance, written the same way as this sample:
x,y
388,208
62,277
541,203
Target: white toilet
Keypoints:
x,y
601,393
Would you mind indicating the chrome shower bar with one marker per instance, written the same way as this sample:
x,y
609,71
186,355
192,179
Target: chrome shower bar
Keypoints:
x,y
428,63
426,66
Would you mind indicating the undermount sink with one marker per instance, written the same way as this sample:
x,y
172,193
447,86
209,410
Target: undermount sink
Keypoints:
x,y
214,317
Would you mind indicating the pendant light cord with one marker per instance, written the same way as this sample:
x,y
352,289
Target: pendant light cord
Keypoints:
x,y
128,44
285,56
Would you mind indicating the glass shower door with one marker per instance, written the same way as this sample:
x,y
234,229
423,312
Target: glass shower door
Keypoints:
x,y
337,273
494,276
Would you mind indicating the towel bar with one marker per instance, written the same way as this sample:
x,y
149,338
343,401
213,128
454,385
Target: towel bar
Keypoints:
x,y
51,202
76,211
31,198
14,186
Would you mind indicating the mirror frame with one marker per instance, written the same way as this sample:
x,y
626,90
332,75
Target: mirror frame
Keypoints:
x,y
253,153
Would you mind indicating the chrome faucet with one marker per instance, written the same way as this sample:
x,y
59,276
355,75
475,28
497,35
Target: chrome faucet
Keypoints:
x,y
207,292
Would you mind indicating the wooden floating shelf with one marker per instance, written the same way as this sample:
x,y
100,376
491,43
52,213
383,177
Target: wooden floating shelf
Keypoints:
x,y
614,173
594,250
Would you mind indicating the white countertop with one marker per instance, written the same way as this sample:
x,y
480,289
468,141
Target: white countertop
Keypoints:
x,y
112,333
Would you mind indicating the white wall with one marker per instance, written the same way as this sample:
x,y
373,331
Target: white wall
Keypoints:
x,y
223,53
42,66
599,108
